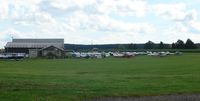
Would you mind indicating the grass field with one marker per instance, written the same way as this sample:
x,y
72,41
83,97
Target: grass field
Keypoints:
x,y
77,79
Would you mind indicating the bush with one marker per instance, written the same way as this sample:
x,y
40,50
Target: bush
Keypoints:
x,y
51,55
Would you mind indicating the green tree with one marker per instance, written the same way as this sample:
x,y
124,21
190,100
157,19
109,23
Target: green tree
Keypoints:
x,y
173,46
190,44
149,45
121,47
131,46
161,45
180,44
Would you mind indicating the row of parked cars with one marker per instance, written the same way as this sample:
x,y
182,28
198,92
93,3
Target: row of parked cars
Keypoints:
x,y
119,54
15,56
98,55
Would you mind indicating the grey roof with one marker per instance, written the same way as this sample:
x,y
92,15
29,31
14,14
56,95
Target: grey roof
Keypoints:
x,y
38,41
52,46
32,45
35,43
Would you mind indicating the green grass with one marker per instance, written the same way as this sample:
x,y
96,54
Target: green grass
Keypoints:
x,y
76,79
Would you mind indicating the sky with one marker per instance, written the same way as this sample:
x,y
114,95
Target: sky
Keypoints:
x,y
100,21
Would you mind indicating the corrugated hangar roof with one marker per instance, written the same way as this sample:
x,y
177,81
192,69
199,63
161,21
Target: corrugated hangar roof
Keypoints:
x,y
32,45
38,41
35,43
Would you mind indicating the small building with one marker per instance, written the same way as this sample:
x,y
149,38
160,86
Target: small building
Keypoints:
x,y
52,50
36,47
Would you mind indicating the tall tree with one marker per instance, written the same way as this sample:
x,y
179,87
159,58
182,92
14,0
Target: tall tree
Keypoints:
x,y
190,44
180,44
149,45
161,45
173,46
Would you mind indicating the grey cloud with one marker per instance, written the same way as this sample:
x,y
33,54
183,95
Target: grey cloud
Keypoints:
x,y
188,17
45,6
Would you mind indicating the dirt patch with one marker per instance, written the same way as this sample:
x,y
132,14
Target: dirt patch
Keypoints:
x,y
154,98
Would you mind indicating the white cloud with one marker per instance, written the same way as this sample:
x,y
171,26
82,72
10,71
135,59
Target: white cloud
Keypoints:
x,y
175,12
174,33
28,13
6,36
37,18
24,12
68,4
170,11
121,7
124,7
103,23
3,9
193,26
184,21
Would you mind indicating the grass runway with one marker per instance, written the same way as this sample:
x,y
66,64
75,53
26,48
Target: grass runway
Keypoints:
x,y
78,79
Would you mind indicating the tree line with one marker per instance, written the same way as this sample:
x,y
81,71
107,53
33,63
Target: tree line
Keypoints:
x,y
180,44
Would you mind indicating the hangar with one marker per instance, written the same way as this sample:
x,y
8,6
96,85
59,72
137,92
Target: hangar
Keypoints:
x,y
36,47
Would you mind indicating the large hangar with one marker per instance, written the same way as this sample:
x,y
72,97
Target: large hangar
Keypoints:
x,y
35,47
